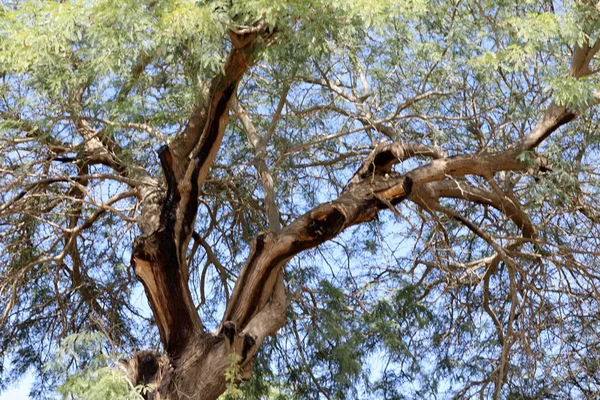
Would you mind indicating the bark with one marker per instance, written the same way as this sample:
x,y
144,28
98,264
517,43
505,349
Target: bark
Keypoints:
x,y
195,361
159,256
256,308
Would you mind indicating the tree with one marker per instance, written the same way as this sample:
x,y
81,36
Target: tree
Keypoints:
x,y
412,186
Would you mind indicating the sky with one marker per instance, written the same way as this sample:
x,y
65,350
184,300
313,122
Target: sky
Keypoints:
x,y
20,391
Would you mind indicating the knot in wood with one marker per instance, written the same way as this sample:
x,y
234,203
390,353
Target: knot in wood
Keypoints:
x,y
145,248
325,222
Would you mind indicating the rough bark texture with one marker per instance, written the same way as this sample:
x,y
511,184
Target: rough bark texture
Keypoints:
x,y
195,361
158,256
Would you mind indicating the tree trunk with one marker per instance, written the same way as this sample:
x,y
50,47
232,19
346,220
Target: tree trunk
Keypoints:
x,y
196,361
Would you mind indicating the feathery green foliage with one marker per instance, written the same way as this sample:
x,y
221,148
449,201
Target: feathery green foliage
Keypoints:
x,y
393,309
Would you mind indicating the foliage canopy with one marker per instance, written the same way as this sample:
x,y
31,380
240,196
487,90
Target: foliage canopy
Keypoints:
x,y
487,284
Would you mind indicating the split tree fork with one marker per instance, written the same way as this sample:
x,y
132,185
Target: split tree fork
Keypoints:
x,y
195,362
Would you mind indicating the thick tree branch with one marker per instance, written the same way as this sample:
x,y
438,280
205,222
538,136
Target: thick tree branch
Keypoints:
x,y
256,307
374,187
271,251
385,155
204,132
159,259
462,190
554,117
159,262
359,203
583,54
